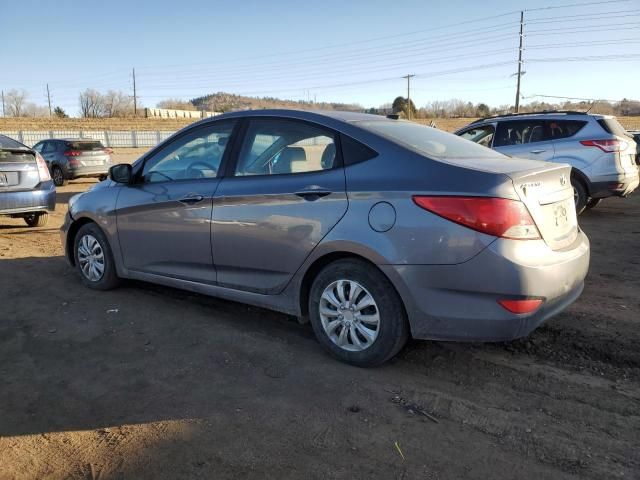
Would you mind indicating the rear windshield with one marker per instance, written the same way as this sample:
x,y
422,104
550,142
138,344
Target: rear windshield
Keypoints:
x,y
6,142
612,126
92,145
427,140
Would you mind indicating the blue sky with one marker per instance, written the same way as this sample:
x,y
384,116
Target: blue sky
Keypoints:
x,y
348,51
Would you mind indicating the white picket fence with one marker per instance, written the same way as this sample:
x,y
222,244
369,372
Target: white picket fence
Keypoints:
x,y
109,138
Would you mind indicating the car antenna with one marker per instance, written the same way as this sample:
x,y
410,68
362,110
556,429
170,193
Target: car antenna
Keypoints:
x,y
593,104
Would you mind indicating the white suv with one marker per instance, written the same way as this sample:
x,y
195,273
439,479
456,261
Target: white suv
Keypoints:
x,y
598,148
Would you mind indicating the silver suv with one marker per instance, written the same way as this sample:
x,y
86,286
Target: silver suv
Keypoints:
x,y
598,148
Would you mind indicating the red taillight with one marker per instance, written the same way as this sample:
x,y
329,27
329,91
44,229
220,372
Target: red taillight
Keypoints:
x,y
43,170
608,146
499,217
521,306
72,153
108,151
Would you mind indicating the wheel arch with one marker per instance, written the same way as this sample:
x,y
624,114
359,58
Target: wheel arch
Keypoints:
x,y
71,236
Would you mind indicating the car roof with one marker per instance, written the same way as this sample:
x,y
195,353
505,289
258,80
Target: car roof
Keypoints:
x,y
554,114
347,117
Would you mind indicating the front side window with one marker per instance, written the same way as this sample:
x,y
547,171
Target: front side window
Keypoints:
x,y
519,132
481,135
198,154
280,146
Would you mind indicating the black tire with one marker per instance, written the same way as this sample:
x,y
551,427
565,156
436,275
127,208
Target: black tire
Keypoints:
x,y
593,203
38,219
58,176
109,278
579,194
393,327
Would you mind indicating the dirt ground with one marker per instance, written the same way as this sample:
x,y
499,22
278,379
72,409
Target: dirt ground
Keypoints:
x,y
150,382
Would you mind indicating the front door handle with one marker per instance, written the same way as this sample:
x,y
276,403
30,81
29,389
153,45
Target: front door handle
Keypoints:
x,y
312,194
191,199
537,151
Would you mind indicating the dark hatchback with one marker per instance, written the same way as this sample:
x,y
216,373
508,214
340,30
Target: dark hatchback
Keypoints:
x,y
26,188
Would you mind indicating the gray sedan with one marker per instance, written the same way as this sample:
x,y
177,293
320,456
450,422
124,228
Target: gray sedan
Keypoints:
x,y
373,229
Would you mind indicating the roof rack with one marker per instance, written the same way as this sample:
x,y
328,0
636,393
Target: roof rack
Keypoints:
x,y
565,112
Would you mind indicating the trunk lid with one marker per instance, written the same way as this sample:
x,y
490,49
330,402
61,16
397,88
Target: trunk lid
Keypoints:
x,y
18,169
88,153
548,194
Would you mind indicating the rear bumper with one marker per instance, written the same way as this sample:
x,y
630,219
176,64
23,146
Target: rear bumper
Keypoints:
x,y
93,171
41,199
459,302
619,185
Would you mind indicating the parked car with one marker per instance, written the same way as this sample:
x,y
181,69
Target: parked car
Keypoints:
x,y
374,229
73,158
26,189
597,147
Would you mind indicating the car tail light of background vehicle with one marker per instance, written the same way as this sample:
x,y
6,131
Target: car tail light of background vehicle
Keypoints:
x,y
608,146
72,153
499,217
43,170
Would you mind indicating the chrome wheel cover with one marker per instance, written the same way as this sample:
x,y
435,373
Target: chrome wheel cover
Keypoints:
x,y
91,258
349,315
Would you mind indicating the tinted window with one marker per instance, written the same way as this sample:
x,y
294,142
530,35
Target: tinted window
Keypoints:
x,y
48,147
278,146
6,142
83,145
426,140
197,154
519,132
354,152
564,128
481,135
612,126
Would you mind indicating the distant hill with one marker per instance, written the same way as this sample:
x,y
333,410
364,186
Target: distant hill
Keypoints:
x,y
224,102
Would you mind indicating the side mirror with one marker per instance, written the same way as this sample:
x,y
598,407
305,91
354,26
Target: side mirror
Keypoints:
x,y
121,173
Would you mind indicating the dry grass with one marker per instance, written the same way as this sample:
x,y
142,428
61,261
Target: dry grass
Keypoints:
x,y
448,124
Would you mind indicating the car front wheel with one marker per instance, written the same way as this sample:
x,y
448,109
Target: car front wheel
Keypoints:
x,y
356,314
93,258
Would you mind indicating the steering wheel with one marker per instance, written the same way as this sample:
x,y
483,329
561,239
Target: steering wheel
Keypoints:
x,y
200,166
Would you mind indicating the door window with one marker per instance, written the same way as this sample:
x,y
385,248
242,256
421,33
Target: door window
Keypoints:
x,y
482,135
196,155
520,132
48,147
277,147
564,128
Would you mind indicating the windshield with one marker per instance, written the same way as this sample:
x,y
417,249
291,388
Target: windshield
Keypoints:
x,y
428,141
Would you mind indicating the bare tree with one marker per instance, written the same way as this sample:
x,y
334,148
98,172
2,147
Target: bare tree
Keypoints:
x,y
117,104
15,102
92,104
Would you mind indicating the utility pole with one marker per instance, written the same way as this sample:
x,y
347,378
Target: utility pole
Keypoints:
x,y
49,99
135,98
520,61
408,77
3,114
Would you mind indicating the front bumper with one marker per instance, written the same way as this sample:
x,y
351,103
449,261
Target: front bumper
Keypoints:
x,y
27,201
459,302
64,233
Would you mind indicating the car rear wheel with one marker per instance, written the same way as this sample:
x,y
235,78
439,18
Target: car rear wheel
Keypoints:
x,y
593,203
38,219
579,195
58,177
356,314
93,258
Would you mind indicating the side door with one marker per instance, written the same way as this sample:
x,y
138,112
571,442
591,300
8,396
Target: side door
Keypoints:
x,y
285,192
47,149
164,218
524,139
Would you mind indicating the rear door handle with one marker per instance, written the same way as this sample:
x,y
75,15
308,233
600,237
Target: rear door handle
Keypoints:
x,y
312,194
537,151
191,199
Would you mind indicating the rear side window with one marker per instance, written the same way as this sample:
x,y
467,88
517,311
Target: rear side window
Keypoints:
x,y
84,146
564,128
355,152
519,132
612,126
481,135
428,141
